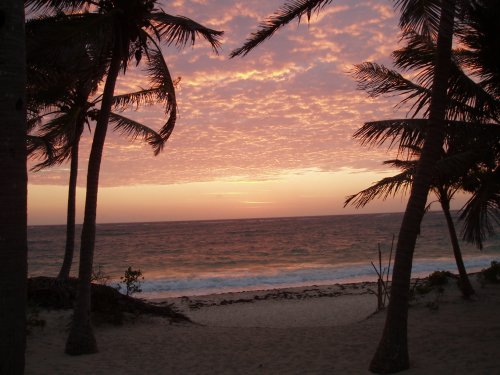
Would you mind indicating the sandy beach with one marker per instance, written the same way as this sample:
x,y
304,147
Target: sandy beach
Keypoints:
x,y
307,330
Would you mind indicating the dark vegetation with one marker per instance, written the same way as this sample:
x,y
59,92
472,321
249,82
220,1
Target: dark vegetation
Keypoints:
x,y
490,274
108,304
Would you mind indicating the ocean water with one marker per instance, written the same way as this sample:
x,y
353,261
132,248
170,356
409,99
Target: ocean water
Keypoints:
x,y
201,257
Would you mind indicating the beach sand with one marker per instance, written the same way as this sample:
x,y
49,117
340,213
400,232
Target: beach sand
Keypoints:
x,y
308,330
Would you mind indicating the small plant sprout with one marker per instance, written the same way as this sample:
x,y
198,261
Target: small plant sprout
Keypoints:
x,y
132,280
99,276
382,292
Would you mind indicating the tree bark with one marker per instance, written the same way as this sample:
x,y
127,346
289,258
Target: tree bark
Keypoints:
x,y
71,210
81,339
13,188
464,282
392,353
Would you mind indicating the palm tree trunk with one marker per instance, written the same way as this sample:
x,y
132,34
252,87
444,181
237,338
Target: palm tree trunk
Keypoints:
x,y
464,282
13,188
71,210
392,352
81,339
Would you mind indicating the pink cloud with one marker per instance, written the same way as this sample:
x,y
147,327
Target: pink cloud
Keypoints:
x,y
288,105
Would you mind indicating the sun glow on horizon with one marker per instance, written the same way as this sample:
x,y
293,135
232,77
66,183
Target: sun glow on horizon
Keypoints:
x,y
293,193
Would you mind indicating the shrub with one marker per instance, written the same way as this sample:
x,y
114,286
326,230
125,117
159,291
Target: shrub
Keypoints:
x,y
438,278
99,276
131,281
435,279
492,273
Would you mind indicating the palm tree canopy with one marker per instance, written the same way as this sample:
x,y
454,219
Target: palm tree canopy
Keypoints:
x,y
471,153
129,28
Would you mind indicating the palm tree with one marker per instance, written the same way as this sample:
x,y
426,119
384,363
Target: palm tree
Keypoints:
x,y
475,104
426,17
444,188
392,352
473,113
13,195
135,26
69,104
61,91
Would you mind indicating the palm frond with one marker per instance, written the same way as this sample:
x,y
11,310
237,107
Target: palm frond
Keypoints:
x,y
407,133
399,132
468,100
291,10
162,80
179,31
378,80
451,168
481,40
39,147
482,212
137,99
383,189
76,37
135,130
63,126
57,5
421,16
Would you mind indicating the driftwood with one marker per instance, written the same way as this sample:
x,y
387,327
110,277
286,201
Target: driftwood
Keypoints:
x,y
107,303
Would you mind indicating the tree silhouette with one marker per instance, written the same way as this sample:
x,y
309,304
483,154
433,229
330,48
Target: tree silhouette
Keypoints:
x,y
70,101
13,189
127,30
471,142
426,18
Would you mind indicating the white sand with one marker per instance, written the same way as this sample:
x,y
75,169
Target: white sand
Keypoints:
x,y
298,332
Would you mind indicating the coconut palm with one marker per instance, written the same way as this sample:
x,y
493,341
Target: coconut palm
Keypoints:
x,y
449,175
66,130
473,105
469,102
68,101
425,17
13,193
61,92
127,30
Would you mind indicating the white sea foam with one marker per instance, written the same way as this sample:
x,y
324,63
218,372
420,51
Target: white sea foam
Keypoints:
x,y
175,287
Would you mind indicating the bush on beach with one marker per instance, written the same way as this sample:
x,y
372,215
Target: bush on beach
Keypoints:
x,y
108,304
490,274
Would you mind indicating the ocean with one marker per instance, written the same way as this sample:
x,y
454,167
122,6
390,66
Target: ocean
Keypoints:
x,y
202,257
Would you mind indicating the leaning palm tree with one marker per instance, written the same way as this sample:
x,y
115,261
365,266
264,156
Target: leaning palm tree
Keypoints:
x,y
13,189
128,30
60,91
392,330
444,189
455,106
425,17
71,108
472,112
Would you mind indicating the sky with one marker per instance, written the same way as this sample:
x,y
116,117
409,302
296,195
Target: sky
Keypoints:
x,y
266,135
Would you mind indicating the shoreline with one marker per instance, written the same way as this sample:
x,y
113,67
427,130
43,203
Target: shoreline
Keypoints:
x,y
314,305
348,273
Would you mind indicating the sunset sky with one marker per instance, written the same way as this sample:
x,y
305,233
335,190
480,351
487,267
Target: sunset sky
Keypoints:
x,y
266,135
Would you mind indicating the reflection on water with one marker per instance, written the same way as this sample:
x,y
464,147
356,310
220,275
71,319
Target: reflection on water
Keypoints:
x,y
178,257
